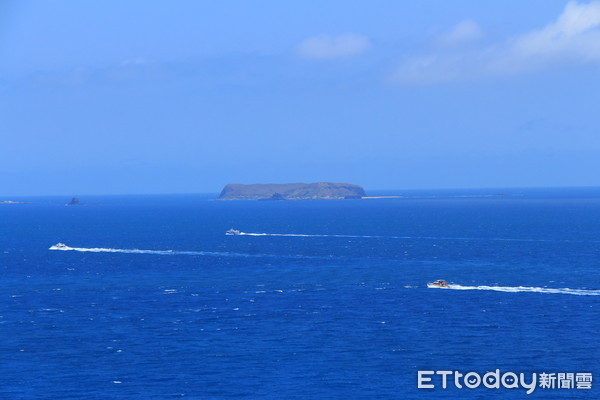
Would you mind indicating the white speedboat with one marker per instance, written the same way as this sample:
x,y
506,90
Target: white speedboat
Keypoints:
x,y
439,284
233,232
59,246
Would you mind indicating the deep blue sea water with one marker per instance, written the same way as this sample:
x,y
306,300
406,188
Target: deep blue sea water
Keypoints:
x,y
342,313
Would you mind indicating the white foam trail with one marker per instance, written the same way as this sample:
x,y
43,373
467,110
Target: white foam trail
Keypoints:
x,y
109,250
515,289
415,237
306,235
174,252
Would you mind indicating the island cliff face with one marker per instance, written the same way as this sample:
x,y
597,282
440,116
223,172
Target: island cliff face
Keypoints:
x,y
292,191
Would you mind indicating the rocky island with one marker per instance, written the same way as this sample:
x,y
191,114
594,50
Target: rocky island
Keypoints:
x,y
292,191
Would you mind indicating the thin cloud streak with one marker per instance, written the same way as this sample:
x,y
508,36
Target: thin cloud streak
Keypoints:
x,y
463,32
327,47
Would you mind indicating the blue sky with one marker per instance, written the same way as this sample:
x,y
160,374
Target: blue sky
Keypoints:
x,y
118,97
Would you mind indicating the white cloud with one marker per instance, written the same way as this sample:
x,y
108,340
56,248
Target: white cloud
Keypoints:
x,y
572,39
573,34
326,47
465,31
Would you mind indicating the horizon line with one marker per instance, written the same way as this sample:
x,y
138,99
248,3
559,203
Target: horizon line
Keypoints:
x,y
7,197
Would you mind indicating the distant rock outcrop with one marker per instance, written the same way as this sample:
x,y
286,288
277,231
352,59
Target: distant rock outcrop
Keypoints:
x,y
292,191
74,202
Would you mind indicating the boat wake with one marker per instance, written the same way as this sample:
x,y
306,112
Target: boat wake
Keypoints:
x,y
302,235
235,232
516,289
63,247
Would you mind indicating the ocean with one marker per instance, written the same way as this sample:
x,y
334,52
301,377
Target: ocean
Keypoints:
x,y
316,300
